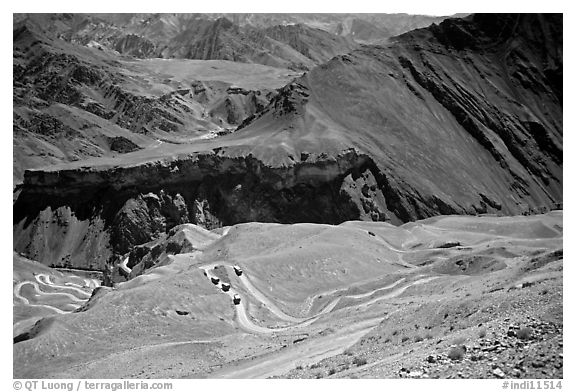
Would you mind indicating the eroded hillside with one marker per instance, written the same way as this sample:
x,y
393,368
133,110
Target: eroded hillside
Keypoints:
x,y
464,117
73,102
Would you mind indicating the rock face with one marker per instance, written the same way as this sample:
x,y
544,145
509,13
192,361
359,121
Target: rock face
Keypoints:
x,y
464,117
145,217
141,203
134,45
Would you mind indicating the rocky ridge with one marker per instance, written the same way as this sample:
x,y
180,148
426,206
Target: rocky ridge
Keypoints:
x,y
193,36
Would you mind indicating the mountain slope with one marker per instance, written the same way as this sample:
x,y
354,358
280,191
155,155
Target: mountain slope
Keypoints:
x,y
193,36
72,102
459,118
363,28
297,41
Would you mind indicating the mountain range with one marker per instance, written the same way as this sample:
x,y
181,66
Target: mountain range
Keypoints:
x,y
462,117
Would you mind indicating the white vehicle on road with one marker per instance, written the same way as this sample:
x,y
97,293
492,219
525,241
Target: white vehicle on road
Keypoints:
x,y
236,299
238,270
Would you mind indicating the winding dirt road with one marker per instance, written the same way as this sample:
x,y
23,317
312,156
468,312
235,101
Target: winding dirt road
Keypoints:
x,y
241,312
246,323
368,294
304,353
46,280
398,291
262,298
25,300
308,351
45,293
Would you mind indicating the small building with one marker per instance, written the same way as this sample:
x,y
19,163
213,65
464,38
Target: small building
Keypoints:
x,y
215,280
225,286
238,270
236,299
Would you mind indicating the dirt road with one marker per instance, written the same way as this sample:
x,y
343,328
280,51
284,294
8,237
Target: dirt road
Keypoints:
x,y
304,353
25,300
246,323
46,280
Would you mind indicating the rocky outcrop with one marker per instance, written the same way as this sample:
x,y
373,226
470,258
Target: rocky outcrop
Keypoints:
x,y
122,145
135,205
134,45
145,217
138,204
314,44
177,240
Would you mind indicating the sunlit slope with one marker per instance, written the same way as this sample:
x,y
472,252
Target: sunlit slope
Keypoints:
x,y
451,125
293,262
307,291
143,312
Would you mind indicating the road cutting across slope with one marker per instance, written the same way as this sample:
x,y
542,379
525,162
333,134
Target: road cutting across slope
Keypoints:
x,y
120,356
301,354
242,314
368,294
44,293
263,299
247,324
47,280
75,301
27,302
398,291
73,285
319,348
